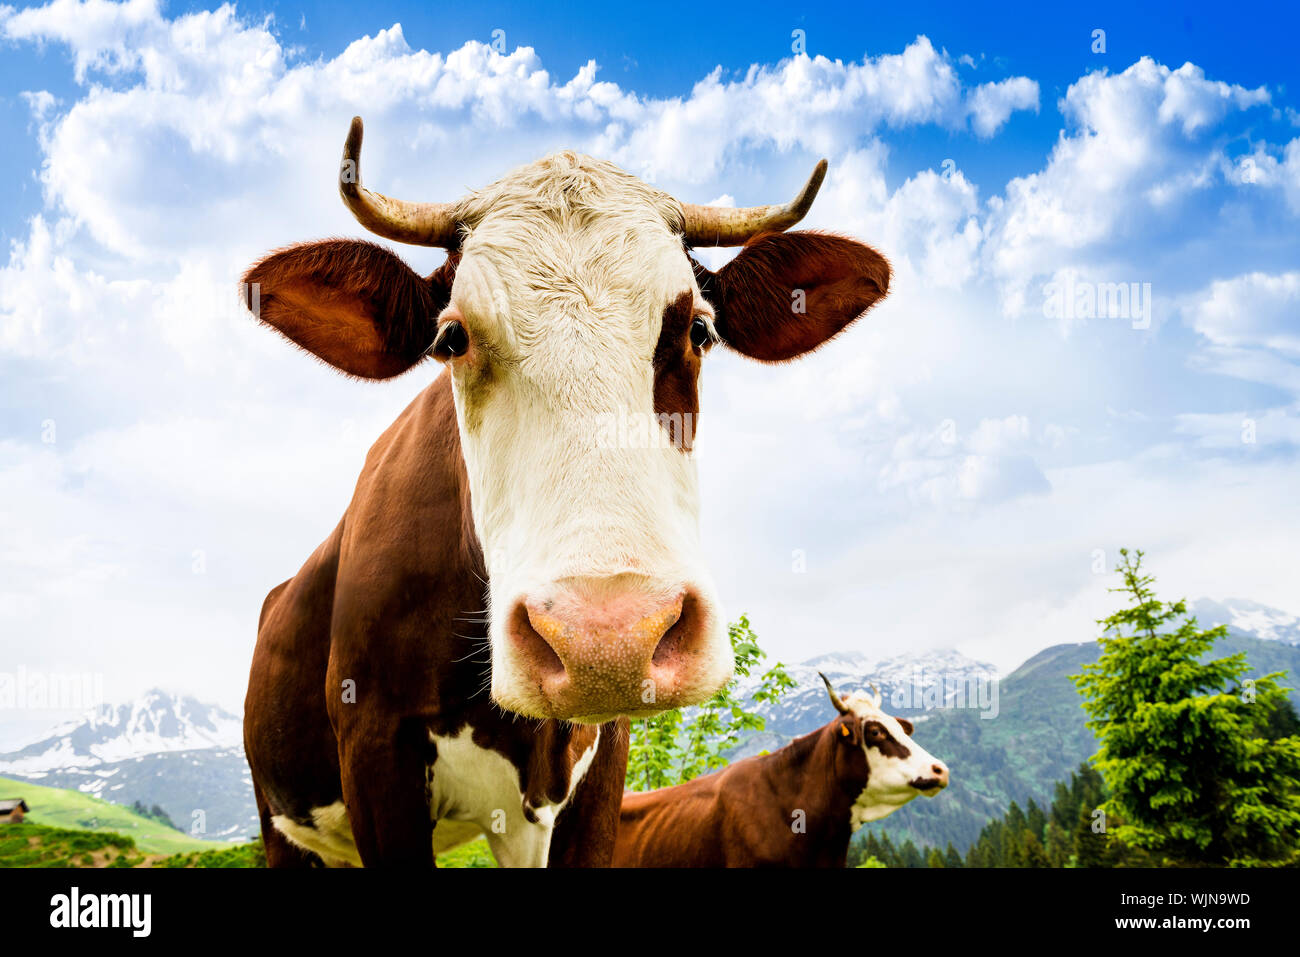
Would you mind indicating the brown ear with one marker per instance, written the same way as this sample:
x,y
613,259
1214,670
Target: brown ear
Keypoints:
x,y
353,304
849,730
787,293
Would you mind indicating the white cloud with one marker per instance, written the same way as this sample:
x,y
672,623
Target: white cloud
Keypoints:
x,y
991,104
102,35
1256,309
1136,148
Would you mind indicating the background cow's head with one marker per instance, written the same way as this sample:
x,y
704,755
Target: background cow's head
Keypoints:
x,y
574,324
898,769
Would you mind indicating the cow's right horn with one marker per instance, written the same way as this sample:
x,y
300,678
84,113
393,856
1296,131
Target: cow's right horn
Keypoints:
x,y
420,224
722,226
840,706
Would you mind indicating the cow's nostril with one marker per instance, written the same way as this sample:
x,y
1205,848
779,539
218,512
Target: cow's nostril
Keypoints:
x,y
938,769
532,646
678,640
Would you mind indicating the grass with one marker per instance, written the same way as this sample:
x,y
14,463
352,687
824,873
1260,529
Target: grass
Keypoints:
x,y
59,808
29,844
473,854
69,829
33,845
239,855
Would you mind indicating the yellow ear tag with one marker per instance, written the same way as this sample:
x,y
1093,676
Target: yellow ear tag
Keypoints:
x,y
844,730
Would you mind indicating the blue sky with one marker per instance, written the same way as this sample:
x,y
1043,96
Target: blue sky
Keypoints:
x,y
950,471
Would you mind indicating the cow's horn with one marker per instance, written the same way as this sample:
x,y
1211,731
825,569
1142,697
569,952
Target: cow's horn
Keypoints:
x,y
840,706
421,224
719,226
875,695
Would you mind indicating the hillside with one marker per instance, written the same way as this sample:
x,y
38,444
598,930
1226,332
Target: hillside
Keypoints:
x,y
215,781
59,808
104,835
1037,739
35,845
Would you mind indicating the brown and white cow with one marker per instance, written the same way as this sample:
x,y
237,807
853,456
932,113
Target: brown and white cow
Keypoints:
x,y
795,807
507,584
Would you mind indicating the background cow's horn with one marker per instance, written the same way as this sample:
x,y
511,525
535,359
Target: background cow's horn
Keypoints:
x,y
421,224
719,226
840,706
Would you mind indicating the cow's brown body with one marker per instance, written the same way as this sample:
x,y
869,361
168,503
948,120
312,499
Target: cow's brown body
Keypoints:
x,y
790,808
796,807
377,643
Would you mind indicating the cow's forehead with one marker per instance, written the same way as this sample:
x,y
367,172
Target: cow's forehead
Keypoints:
x,y
864,706
575,189
569,236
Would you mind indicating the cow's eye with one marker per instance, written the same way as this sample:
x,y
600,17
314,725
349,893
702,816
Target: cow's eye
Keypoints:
x,y
452,340
700,334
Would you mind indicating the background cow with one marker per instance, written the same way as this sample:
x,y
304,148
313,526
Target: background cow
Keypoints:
x,y
493,540
795,807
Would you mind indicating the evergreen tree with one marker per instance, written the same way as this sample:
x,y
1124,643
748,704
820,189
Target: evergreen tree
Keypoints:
x,y
1089,846
909,856
1035,819
1063,804
1057,844
1190,771
1282,721
1032,852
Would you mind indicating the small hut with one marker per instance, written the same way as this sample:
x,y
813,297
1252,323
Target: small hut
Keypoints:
x,y
12,809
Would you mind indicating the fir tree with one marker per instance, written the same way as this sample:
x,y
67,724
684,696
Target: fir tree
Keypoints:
x,y
1191,774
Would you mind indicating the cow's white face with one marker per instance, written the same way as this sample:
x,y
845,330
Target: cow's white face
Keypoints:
x,y
898,768
578,302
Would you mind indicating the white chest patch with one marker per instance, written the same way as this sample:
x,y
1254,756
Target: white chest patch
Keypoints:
x,y
472,791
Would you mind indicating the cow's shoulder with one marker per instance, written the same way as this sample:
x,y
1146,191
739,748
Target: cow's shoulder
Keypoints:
x,y
410,511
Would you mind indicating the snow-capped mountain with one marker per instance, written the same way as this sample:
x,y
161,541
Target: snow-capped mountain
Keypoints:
x,y
1249,618
166,749
154,723
909,684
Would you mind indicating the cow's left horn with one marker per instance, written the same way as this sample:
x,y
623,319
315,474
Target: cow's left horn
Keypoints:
x,y
719,226
840,706
421,224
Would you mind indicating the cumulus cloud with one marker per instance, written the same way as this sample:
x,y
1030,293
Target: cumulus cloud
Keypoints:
x,y
220,99
111,37
1136,145
1256,309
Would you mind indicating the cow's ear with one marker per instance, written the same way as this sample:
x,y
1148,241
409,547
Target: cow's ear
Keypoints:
x,y
849,730
787,293
353,304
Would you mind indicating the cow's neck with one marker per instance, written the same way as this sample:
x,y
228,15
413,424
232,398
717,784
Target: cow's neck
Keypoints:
x,y
829,781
